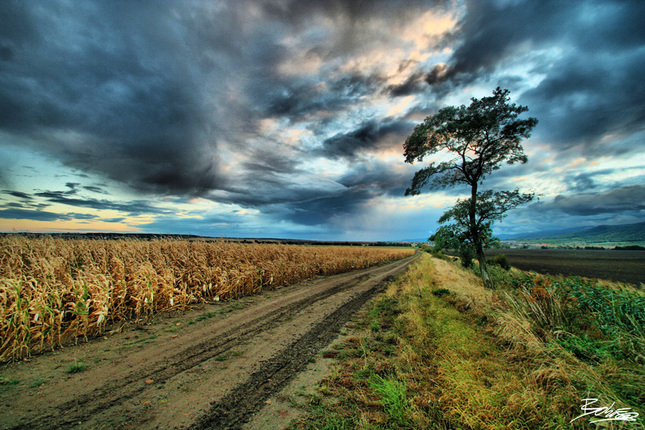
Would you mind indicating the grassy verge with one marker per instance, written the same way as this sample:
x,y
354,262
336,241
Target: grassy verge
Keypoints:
x,y
439,351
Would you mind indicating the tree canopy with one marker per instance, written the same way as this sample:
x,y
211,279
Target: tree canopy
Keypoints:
x,y
482,136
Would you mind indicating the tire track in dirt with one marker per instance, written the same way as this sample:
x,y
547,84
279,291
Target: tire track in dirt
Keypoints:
x,y
108,399
237,407
124,389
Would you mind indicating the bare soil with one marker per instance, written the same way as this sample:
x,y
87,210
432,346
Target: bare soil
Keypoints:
x,y
220,366
620,266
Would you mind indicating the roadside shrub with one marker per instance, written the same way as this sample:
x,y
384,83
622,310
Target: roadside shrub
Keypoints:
x,y
499,260
466,255
440,254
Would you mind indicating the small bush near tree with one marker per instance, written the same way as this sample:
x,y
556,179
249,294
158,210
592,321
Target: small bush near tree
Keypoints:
x,y
499,260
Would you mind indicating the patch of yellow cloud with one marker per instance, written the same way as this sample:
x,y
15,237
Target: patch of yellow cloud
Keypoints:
x,y
304,63
293,137
246,212
428,26
415,41
578,161
267,125
398,108
141,220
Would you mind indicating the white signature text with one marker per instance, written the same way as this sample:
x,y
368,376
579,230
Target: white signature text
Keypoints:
x,y
608,413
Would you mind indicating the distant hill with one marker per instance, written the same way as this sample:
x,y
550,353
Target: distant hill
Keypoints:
x,y
626,233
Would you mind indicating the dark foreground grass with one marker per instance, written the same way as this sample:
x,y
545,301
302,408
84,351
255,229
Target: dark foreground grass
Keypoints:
x,y
437,351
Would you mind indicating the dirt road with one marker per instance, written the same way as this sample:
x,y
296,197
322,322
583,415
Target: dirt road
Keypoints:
x,y
215,367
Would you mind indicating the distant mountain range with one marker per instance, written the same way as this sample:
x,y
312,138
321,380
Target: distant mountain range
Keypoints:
x,y
626,233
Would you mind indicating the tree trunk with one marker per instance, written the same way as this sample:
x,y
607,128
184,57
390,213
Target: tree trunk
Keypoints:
x,y
483,269
474,232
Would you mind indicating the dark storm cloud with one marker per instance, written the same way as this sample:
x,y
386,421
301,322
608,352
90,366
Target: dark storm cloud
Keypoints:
x,y
73,187
278,96
170,98
318,211
20,214
413,85
144,93
582,101
95,189
265,162
16,29
581,182
297,11
18,194
369,136
589,181
268,190
317,204
439,74
13,205
107,88
492,30
593,89
134,207
624,200
27,203
380,177
364,182
29,214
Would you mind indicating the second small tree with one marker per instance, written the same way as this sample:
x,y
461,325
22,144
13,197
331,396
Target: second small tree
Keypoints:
x,y
479,138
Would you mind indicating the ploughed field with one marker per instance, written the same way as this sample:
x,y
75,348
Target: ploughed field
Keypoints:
x,y
621,266
53,290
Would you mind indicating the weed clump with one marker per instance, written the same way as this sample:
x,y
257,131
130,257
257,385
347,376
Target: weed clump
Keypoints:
x,y
77,367
499,260
441,292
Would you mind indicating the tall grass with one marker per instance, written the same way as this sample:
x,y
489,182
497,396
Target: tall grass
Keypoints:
x,y
600,326
54,290
572,307
438,350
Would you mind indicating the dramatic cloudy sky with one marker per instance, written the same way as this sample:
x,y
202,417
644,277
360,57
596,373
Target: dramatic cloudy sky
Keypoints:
x,y
286,118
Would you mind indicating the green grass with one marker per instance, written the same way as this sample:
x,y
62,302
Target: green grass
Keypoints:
x,y
7,384
77,367
37,383
393,397
601,326
428,355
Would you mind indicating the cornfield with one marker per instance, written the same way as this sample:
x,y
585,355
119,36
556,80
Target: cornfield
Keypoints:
x,y
55,290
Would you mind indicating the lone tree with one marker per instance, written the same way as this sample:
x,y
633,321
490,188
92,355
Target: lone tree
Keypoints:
x,y
478,138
